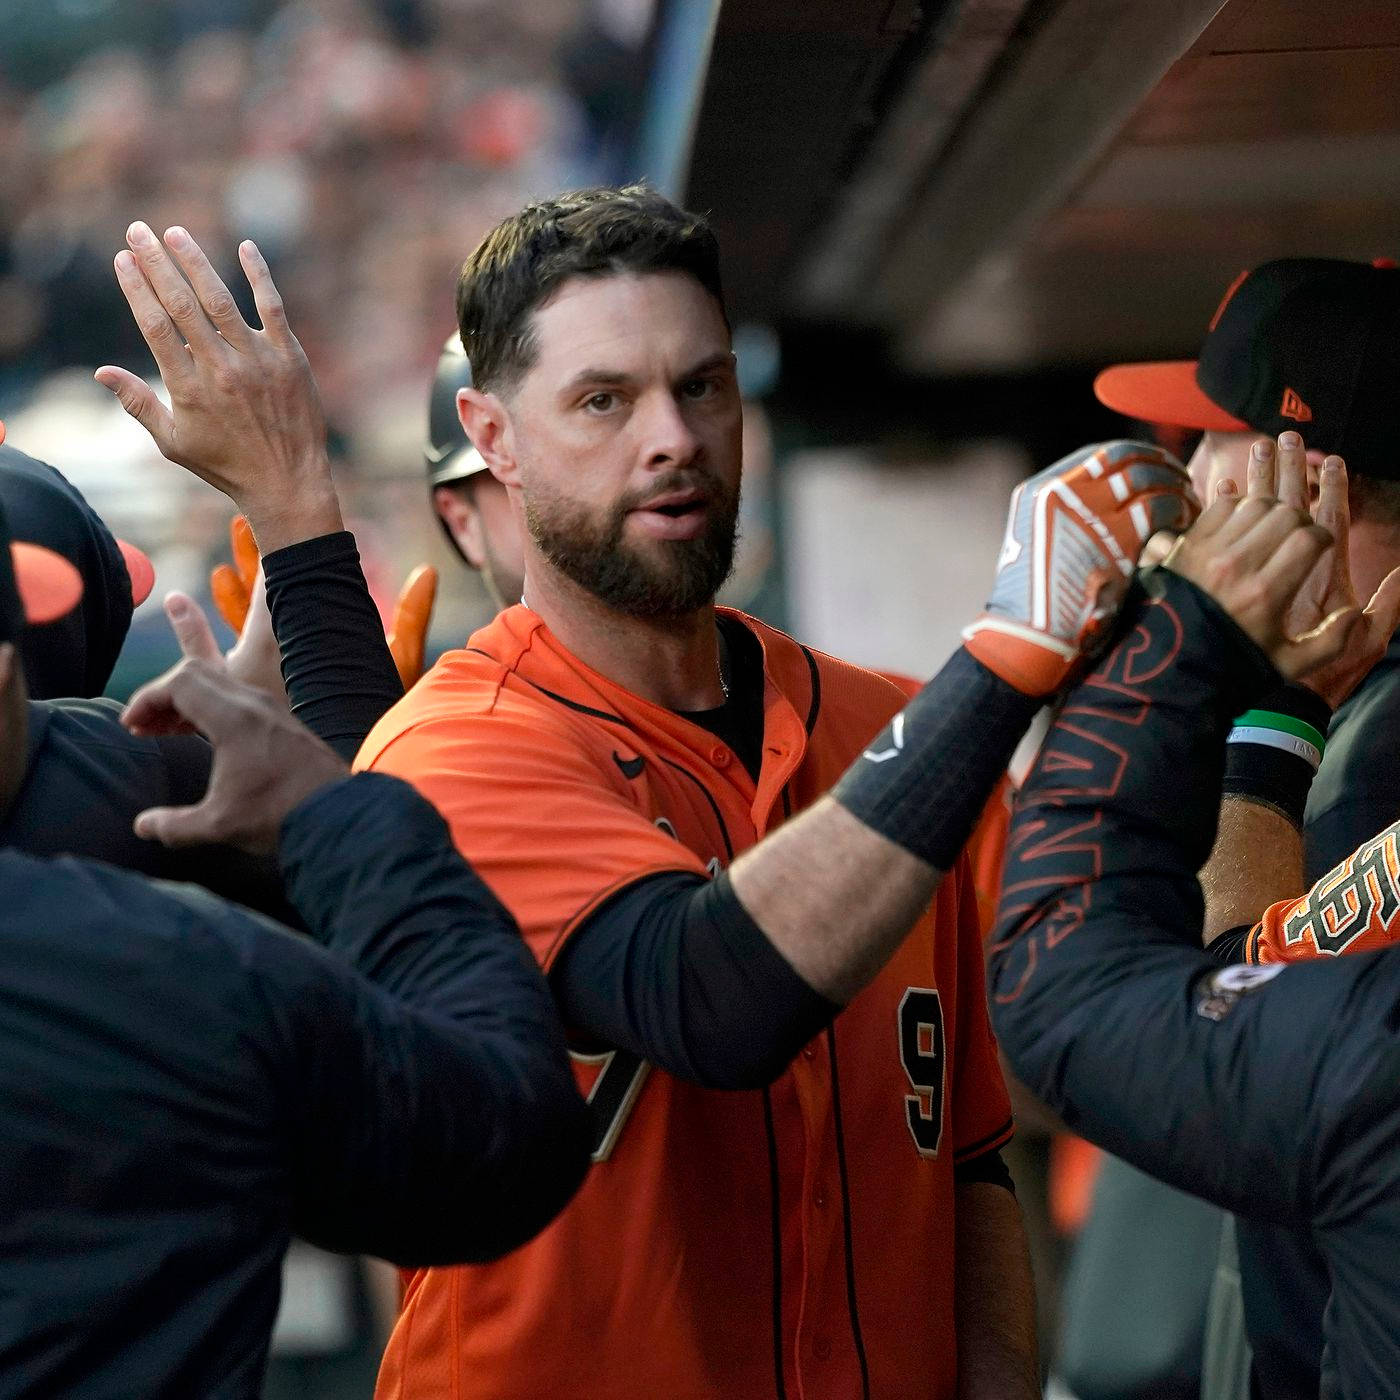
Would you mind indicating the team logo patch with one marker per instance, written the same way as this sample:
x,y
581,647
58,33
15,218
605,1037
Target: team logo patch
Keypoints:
x,y
1293,407
1220,992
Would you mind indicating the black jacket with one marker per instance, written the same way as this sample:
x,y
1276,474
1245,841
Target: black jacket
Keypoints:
x,y
184,1085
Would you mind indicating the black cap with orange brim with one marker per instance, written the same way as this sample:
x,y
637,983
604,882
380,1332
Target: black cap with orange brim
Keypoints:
x,y
73,652
1305,343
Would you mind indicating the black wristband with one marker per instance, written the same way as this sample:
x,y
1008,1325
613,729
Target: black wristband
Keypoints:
x,y
924,781
1276,777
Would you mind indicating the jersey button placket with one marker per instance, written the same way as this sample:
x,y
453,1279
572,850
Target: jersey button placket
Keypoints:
x,y
721,757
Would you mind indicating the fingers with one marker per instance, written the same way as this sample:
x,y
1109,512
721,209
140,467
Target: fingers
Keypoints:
x,y
200,693
1283,551
1292,459
245,550
177,826
265,294
139,400
1333,513
166,344
214,297
192,630
175,295
1261,474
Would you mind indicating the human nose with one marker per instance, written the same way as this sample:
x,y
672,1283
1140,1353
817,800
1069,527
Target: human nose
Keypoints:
x,y
667,438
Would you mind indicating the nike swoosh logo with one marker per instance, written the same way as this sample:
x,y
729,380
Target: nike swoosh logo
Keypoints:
x,y
629,767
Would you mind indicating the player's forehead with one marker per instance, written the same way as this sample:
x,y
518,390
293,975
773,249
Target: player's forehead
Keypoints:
x,y
643,326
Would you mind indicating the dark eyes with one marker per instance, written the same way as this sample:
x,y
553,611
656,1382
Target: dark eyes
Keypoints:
x,y
699,388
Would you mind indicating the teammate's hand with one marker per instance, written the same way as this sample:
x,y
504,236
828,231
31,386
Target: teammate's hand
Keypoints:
x,y
1073,537
408,632
1253,556
1282,472
244,411
265,762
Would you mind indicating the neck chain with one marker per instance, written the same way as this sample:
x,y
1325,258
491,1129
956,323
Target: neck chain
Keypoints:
x,y
720,650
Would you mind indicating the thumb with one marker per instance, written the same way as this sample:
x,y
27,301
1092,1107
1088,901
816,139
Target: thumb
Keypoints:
x,y
1324,643
1383,611
175,826
192,628
139,400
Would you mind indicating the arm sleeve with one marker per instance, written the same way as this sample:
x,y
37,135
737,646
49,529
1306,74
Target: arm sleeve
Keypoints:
x,y
989,1167
336,664
436,1117
1354,908
674,970
543,821
1227,1083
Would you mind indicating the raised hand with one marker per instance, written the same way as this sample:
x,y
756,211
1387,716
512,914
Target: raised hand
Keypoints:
x,y
1254,556
1281,471
1073,537
265,762
244,411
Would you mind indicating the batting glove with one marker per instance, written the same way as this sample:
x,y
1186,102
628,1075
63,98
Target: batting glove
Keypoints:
x,y
1073,536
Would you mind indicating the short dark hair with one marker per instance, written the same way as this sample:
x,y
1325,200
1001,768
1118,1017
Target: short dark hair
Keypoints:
x,y
587,233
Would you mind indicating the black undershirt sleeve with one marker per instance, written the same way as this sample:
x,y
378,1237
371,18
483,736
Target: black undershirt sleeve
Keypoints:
x,y
674,970
1228,947
989,1167
336,664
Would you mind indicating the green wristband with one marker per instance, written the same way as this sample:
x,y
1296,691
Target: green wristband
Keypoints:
x,y
1278,731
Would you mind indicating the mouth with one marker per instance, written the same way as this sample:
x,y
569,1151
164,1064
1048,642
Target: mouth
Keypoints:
x,y
677,515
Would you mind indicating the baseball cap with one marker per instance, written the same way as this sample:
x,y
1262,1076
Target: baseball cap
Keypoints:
x,y
37,586
1311,344
449,453
72,652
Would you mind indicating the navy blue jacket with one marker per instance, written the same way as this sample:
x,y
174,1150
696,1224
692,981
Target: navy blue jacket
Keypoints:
x,y
1273,1092
184,1085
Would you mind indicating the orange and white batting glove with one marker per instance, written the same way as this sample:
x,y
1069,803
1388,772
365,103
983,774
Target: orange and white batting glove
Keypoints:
x,y
1073,536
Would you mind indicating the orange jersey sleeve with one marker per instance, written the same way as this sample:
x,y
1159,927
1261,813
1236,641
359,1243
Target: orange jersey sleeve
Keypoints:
x,y
1354,908
516,786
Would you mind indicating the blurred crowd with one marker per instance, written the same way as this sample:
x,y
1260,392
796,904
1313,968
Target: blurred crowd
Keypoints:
x,y
365,146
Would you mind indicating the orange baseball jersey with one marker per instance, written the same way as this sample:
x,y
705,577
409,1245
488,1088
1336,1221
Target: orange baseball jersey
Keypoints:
x,y
1352,909
742,1243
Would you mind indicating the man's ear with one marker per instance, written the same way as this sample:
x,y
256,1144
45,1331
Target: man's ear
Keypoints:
x,y
486,422
463,522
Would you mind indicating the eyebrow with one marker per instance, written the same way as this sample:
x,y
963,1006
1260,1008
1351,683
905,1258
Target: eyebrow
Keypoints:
x,y
722,359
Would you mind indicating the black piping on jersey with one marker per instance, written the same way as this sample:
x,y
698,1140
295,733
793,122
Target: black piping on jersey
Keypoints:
x,y
776,1219
814,709
560,699
983,1144
851,1303
714,806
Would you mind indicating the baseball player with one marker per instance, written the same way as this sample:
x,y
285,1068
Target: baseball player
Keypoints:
x,y
783,1042
184,1084
1271,1091
1302,348
614,754
471,505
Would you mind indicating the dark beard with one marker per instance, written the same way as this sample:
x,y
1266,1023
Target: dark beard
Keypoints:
x,y
680,577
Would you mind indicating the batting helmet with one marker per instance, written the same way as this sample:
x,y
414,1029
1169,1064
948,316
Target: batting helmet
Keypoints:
x,y
449,454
